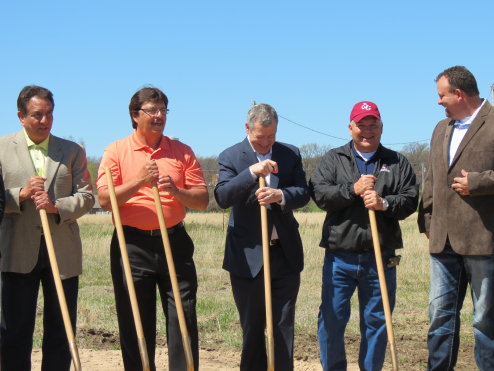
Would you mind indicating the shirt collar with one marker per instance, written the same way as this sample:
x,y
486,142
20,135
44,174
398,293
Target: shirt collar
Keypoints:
x,y
367,156
43,145
138,145
465,122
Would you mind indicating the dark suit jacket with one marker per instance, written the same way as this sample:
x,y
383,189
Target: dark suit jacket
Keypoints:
x,y
68,184
468,221
236,187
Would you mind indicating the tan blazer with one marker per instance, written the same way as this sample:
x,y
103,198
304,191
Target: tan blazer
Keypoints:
x,y
468,221
69,186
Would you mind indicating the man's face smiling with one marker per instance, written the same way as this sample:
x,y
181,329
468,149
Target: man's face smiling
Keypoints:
x,y
450,100
366,134
150,119
262,137
38,119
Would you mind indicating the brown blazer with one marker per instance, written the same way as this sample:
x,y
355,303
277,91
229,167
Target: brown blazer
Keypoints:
x,y
468,221
69,186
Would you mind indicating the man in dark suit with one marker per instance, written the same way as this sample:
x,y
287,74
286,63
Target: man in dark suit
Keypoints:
x,y
40,171
240,166
456,213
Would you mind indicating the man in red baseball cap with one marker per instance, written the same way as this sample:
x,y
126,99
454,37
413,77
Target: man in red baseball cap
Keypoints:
x,y
365,127
350,180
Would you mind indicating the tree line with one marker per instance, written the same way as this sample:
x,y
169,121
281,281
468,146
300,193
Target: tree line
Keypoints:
x,y
416,153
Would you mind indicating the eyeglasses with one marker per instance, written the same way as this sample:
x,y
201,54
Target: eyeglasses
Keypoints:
x,y
155,112
38,116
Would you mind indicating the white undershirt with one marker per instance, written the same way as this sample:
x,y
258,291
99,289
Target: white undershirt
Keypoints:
x,y
366,156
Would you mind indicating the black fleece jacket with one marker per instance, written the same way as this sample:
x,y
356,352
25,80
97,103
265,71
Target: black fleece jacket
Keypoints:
x,y
347,227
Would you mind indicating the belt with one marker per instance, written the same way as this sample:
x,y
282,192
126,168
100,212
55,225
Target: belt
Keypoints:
x,y
274,243
154,232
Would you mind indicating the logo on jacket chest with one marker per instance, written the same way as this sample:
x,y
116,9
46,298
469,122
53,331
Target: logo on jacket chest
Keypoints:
x,y
384,168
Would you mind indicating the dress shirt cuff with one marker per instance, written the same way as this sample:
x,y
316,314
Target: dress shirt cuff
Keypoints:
x,y
283,201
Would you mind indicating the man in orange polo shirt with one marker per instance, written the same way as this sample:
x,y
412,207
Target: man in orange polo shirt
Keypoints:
x,y
136,162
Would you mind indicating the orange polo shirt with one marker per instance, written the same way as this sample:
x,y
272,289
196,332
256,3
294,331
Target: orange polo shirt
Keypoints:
x,y
127,156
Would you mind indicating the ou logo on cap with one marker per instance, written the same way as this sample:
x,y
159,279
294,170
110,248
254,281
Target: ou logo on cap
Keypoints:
x,y
366,107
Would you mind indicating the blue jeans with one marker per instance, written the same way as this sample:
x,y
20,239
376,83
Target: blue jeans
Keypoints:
x,y
450,275
342,274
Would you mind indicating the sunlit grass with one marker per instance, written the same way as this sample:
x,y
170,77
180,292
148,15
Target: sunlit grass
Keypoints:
x,y
217,314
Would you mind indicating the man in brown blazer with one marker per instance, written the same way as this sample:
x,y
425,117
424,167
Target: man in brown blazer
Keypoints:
x,y
457,214
40,171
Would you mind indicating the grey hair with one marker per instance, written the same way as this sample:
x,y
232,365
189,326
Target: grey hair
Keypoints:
x,y
263,113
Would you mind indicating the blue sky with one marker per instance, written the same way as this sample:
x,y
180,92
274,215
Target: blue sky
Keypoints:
x,y
311,60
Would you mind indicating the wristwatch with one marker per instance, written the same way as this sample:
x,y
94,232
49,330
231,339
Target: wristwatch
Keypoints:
x,y
385,204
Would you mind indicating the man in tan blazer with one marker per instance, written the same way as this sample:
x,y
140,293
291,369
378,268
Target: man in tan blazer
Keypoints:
x,y
40,171
457,214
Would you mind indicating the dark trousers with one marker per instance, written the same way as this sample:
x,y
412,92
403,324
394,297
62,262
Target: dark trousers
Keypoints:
x,y
249,298
149,269
19,298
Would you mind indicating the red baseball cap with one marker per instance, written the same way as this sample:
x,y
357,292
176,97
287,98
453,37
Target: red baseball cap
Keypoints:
x,y
364,109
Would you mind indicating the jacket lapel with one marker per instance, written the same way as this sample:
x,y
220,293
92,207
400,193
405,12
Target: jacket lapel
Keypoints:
x,y
274,178
23,156
477,123
248,155
448,131
53,160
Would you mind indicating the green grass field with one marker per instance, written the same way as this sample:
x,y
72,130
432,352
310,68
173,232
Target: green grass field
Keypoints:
x,y
217,315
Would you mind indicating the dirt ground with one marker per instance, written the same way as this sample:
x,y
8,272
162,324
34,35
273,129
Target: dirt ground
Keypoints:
x,y
97,354
110,360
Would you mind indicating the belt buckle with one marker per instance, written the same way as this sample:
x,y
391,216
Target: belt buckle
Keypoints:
x,y
154,232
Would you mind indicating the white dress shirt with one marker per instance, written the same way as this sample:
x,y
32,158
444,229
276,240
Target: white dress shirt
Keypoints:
x,y
459,131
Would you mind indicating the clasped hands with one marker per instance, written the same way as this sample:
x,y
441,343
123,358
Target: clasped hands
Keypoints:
x,y
364,187
266,195
35,190
149,173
